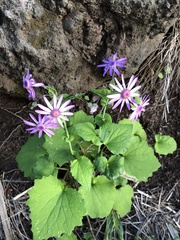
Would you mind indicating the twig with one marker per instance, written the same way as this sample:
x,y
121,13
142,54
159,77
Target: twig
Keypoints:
x,y
21,194
91,229
9,136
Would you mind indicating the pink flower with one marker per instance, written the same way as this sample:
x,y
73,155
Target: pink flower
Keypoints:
x,y
139,108
124,94
42,124
56,111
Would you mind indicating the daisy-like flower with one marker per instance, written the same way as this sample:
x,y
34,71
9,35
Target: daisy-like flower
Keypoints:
x,y
56,111
111,64
125,94
139,108
29,83
42,124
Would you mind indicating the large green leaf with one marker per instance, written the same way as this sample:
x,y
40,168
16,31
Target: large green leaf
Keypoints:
x,y
58,148
29,155
139,160
137,128
55,209
123,200
165,144
87,132
116,137
99,199
82,171
80,117
43,167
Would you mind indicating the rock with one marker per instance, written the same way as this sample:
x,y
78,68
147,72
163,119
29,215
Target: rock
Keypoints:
x,y
61,42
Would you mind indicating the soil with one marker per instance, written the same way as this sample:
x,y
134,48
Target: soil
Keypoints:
x,y
13,135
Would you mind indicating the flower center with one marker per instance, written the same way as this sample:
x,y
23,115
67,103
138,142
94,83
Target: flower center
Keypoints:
x,y
40,127
55,113
112,64
125,93
26,84
139,109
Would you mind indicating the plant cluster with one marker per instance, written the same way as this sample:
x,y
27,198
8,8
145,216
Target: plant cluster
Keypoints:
x,y
83,164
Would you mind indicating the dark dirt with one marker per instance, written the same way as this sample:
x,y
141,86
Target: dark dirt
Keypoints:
x,y
13,136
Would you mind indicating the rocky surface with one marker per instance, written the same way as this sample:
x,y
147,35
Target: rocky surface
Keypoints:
x,y
62,41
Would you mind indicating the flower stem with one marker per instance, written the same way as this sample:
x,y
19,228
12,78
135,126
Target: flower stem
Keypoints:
x,y
104,111
69,142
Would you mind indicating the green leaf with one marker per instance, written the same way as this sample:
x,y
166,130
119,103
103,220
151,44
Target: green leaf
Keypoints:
x,y
137,128
160,75
165,144
99,199
100,120
31,152
123,200
167,69
87,236
43,167
82,170
100,164
58,148
139,160
114,167
102,92
51,91
87,132
67,237
55,209
116,137
81,117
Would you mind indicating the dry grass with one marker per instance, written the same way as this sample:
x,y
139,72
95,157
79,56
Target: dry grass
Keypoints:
x,y
154,215
165,60
16,209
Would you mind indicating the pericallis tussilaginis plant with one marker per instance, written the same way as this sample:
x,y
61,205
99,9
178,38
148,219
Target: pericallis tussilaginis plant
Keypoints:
x,y
83,164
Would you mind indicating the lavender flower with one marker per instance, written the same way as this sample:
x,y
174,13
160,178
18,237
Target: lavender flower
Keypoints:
x,y
29,83
139,108
111,64
42,124
57,111
125,94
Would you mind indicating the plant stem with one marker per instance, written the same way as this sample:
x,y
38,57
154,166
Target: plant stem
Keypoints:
x,y
69,142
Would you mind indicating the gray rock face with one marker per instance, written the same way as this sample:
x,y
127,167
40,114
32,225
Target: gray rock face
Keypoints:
x,y
62,41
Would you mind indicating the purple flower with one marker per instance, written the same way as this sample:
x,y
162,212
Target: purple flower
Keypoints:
x,y
125,94
57,111
29,83
42,124
139,108
111,64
